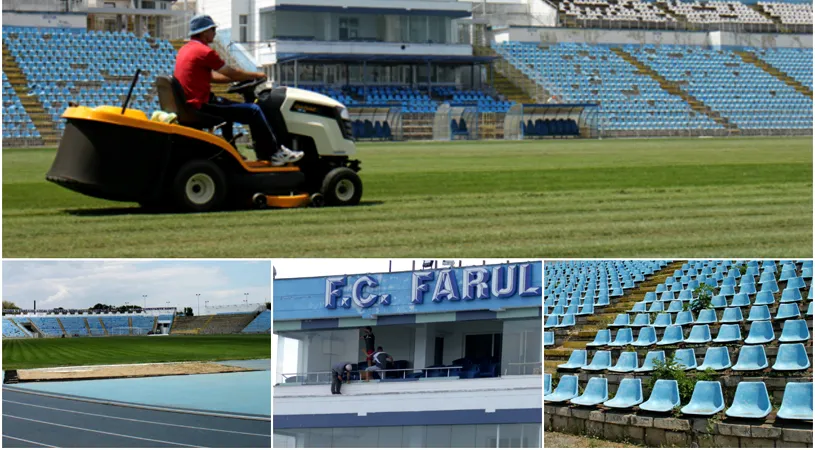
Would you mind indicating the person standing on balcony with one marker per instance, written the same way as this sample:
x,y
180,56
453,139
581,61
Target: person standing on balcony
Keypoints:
x,y
368,337
336,375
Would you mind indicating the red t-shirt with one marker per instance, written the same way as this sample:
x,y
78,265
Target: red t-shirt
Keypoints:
x,y
193,69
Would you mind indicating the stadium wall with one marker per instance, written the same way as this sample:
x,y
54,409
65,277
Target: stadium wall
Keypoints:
x,y
41,20
548,35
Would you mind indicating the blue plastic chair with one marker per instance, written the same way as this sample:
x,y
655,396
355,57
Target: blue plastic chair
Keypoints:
x,y
622,338
791,357
751,357
771,286
684,318
751,401
718,301
699,334
796,283
728,333
675,306
686,358
566,389
809,308
664,397
747,289
576,360
650,297
620,321
787,311
641,320
706,400
547,384
732,315
797,402
663,320
759,313
600,361
685,295
646,338
727,290
602,338
568,321
596,392
760,333
656,307
706,316
673,335
764,298
648,362
638,307
629,394
551,322
789,295
627,362
716,358
548,338
794,331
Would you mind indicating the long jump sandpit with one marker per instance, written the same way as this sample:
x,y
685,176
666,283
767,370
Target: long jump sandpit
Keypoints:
x,y
77,373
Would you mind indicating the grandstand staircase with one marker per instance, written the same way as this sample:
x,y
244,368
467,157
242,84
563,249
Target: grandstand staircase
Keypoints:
x,y
87,327
511,82
61,327
20,327
103,326
673,88
584,334
751,58
42,120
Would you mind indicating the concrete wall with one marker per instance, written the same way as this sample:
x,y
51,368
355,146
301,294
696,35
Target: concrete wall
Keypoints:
x,y
45,20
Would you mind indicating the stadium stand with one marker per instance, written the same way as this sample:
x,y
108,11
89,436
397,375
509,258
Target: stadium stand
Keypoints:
x,y
11,330
17,124
714,12
261,324
74,326
749,380
48,325
212,324
96,327
789,13
146,323
632,11
115,325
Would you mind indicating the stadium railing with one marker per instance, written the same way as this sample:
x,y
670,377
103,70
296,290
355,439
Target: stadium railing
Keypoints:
x,y
737,27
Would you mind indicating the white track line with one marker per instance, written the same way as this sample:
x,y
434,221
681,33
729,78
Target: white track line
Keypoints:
x,y
26,440
101,432
137,420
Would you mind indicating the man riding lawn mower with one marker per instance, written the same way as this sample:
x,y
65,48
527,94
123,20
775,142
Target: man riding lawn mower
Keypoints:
x,y
118,154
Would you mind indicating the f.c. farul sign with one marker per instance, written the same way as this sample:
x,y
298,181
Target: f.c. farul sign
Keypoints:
x,y
464,285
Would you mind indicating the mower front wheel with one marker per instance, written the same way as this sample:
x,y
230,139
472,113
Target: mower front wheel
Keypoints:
x,y
199,186
341,187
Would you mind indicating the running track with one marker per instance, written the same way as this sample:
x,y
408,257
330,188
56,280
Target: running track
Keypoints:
x,y
32,420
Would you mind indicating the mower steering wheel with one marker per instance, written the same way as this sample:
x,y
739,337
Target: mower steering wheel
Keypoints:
x,y
241,86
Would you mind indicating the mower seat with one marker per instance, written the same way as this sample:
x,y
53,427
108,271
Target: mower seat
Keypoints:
x,y
172,99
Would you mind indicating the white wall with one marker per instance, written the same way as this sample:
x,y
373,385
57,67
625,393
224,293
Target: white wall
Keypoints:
x,y
267,54
596,36
220,10
45,20
545,13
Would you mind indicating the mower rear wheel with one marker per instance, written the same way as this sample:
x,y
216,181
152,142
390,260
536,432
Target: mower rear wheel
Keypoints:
x,y
342,187
199,186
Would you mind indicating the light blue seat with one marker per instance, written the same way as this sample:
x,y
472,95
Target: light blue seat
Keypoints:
x,y
728,333
806,273
664,397
602,338
568,321
706,400
647,337
673,335
686,358
620,321
586,310
747,289
548,338
797,283
699,334
740,300
787,311
789,295
638,307
761,312
648,362
794,331
732,315
791,357
656,307
663,320
797,402
667,296
650,297
622,338
551,322
809,308
675,306
751,401
771,286
760,333
684,318
600,361
716,358
627,362
660,288
718,301
576,360
685,295
629,394
727,290
706,316
596,392
764,298
751,357
641,320
566,389
766,276
547,384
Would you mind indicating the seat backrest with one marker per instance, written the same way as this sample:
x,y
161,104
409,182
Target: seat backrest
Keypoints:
x,y
172,99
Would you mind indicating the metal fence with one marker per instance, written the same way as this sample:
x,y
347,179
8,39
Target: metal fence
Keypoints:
x,y
737,27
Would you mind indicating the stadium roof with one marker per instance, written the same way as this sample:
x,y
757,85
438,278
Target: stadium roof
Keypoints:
x,y
379,9
386,59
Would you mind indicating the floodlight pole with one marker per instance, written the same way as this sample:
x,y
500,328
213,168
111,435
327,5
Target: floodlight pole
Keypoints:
x,y
199,303
145,300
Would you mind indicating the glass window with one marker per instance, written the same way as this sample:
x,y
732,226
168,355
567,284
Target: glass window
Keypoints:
x,y
439,436
318,438
463,436
267,26
521,351
531,435
486,436
510,436
390,437
355,437
349,28
413,436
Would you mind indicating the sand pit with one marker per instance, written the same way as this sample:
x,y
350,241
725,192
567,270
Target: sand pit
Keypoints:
x,y
124,371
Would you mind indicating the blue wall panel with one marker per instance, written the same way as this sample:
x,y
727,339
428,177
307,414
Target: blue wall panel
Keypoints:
x,y
490,287
407,418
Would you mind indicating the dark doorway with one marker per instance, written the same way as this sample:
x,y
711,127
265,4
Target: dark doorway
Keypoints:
x,y
477,346
438,353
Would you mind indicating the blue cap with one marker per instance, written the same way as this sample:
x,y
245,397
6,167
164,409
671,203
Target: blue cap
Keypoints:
x,y
199,24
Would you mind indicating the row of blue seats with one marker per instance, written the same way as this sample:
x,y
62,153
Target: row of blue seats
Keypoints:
x,y
260,324
751,400
365,129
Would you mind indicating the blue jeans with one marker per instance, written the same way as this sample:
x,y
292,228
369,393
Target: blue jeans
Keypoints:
x,y
248,114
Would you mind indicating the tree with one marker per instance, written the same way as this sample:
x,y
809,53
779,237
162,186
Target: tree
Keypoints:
x,y
268,305
9,305
188,311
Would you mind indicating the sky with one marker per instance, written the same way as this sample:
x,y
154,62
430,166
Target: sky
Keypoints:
x,y
82,284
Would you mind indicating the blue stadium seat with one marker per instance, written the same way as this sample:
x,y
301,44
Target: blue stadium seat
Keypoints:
x,y
706,400
646,338
699,334
576,360
684,318
706,316
629,394
547,384
787,311
751,401
626,363
732,315
751,358
686,358
664,397
728,333
764,298
620,321
622,338
759,313
794,331
761,332
565,390
716,358
596,392
797,402
663,320
602,338
791,357
548,338
791,295
648,361
600,361
673,335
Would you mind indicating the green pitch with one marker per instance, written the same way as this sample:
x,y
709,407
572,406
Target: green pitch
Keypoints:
x,y
747,197
37,353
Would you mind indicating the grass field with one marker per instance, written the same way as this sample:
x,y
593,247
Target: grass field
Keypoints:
x,y
38,353
739,197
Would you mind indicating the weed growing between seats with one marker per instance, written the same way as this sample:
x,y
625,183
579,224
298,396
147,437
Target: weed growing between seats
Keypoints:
x,y
38,353
747,197
671,370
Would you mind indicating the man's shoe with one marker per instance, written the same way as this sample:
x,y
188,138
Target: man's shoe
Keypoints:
x,y
286,156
